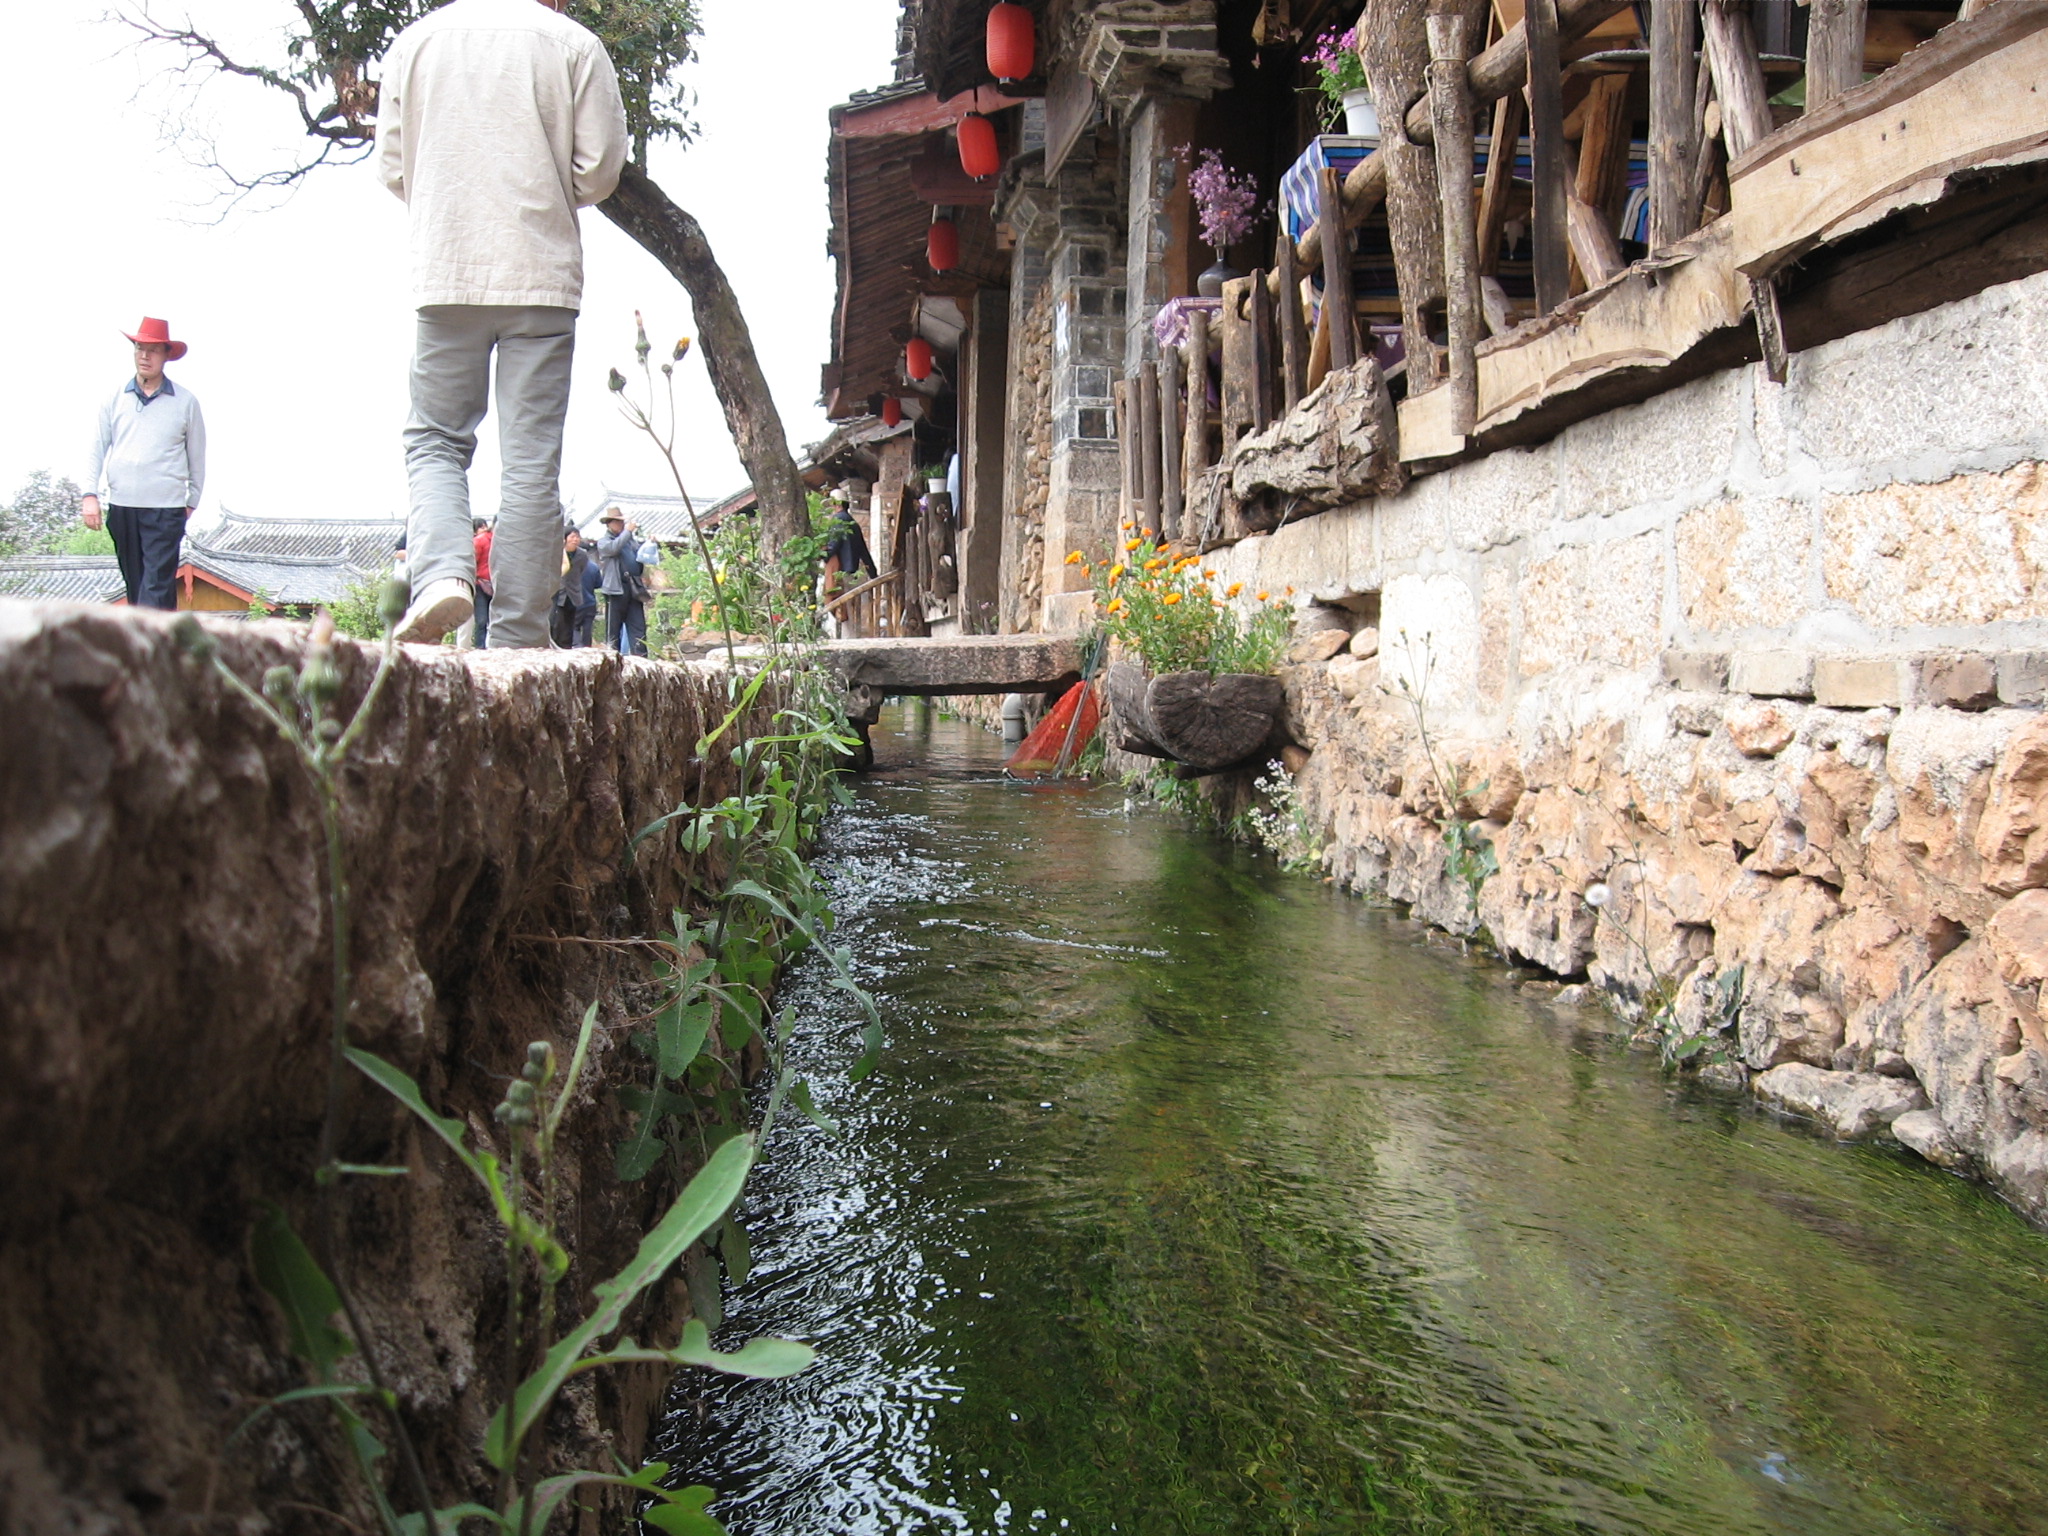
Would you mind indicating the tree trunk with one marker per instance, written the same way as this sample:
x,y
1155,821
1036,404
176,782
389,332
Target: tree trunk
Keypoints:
x,y
676,240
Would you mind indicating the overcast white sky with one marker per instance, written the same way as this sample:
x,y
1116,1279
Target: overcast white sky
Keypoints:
x,y
297,315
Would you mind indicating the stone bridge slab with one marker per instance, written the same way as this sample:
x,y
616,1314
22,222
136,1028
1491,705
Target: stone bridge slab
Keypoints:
x,y
968,664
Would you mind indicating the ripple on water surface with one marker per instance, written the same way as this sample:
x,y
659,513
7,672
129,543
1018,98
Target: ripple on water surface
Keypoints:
x,y
1192,1198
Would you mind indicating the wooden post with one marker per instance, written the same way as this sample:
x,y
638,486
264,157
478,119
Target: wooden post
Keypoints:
x,y
1451,105
1236,320
1319,350
1493,304
1120,395
1194,457
1293,332
1548,225
1593,244
1146,419
1500,179
1337,271
1673,208
1834,48
1265,350
1170,500
1738,76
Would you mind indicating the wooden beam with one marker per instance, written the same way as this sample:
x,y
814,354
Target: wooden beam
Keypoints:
x,y
1293,330
1194,456
1493,304
1549,229
1770,326
1738,76
1126,442
1451,104
1236,320
1145,417
1502,68
1500,179
1603,150
1834,49
1593,244
1265,347
1969,96
1337,276
1673,71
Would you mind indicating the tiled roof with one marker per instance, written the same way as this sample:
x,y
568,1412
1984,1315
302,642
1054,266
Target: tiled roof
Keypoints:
x,y
366,543
280,580
63,578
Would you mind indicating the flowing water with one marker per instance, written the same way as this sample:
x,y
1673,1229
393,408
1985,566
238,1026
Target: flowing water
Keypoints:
x,y
1193,1197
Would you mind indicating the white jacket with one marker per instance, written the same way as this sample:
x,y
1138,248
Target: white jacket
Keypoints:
x,y
498,119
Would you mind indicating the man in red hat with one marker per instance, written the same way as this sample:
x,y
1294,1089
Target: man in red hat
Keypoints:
x,y
497,121
150,454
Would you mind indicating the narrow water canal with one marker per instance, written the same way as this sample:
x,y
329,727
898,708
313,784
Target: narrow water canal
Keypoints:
x,y
1194,1198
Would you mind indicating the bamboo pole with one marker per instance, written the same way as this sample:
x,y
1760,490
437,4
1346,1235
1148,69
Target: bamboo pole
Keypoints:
x,y
1451,102
1549,225
1674,211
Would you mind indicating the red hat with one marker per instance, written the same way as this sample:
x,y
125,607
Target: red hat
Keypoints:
x,y
159,332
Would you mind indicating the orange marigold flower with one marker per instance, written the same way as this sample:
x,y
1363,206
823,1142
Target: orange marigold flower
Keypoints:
x,y
1116,572
1233,589
1116,605
1290,591
1260,596
1153,565
1131,544
1207,574
1074,557
1171,597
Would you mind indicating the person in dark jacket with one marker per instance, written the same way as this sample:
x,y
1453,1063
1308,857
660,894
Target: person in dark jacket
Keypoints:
x,y
568,590
586,607
625,605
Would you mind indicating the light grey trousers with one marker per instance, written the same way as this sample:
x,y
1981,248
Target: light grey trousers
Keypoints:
x,y
451,374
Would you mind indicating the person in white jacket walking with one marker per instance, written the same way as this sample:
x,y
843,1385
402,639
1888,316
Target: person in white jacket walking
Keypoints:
x,y
150,453
498,120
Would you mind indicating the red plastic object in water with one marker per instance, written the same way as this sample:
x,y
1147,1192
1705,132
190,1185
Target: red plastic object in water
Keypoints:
x,y
1057,743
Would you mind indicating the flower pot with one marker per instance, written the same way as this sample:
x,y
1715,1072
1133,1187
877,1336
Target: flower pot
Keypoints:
x,y
1210,284
936,485
1361,117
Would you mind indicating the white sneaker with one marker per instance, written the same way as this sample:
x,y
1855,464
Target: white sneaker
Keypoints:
x,y
444,606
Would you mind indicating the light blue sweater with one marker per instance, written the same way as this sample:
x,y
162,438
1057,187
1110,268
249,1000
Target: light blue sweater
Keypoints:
x,y
149,451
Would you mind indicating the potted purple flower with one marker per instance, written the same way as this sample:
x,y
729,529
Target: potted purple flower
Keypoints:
x,y
1226,202
1340,76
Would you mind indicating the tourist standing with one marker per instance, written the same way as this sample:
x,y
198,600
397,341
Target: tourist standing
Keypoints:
x,y
586,606
482,545
625,599
150,453
498,120
563,610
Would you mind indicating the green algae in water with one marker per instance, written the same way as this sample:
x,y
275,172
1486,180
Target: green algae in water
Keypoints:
x,y
1196,1198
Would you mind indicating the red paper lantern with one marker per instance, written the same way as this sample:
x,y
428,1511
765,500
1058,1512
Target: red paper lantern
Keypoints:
x,y
942,245
1012,47
917,358
892,412
979,156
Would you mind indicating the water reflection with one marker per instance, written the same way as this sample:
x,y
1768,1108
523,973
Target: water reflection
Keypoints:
x,y
1193,1198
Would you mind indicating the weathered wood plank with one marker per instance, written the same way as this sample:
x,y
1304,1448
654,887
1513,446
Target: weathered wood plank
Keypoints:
x,y
1194,456
1967,97
1342,321
1293,329
1494,306
1145,390
1500,180
1673,208
1120,398
1452,105
1549,230
1265,347
1834,49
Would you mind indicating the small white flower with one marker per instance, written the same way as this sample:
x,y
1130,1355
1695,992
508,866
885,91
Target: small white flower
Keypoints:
x,y
1597,894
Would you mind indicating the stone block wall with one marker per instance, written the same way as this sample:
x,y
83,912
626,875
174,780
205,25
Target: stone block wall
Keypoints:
x,y
1761,668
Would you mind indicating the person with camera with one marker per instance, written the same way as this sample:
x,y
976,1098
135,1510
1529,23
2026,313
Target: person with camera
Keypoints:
x,y
625,591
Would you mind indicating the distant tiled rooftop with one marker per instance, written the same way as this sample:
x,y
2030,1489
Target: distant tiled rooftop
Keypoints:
x,y
62,578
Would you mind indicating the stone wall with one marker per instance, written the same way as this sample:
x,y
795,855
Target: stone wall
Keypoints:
x,y
1760,665
164,943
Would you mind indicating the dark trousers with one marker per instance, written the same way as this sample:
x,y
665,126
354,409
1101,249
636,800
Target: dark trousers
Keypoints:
x,y
483,613
586,621
627,614
146,541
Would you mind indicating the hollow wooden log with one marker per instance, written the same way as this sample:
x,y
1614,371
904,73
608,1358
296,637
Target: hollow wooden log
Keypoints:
x,y
1673,208
1338,314
1453,119
1500,180
1550,232
1209,722
1834,48
1293,329
1738,76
